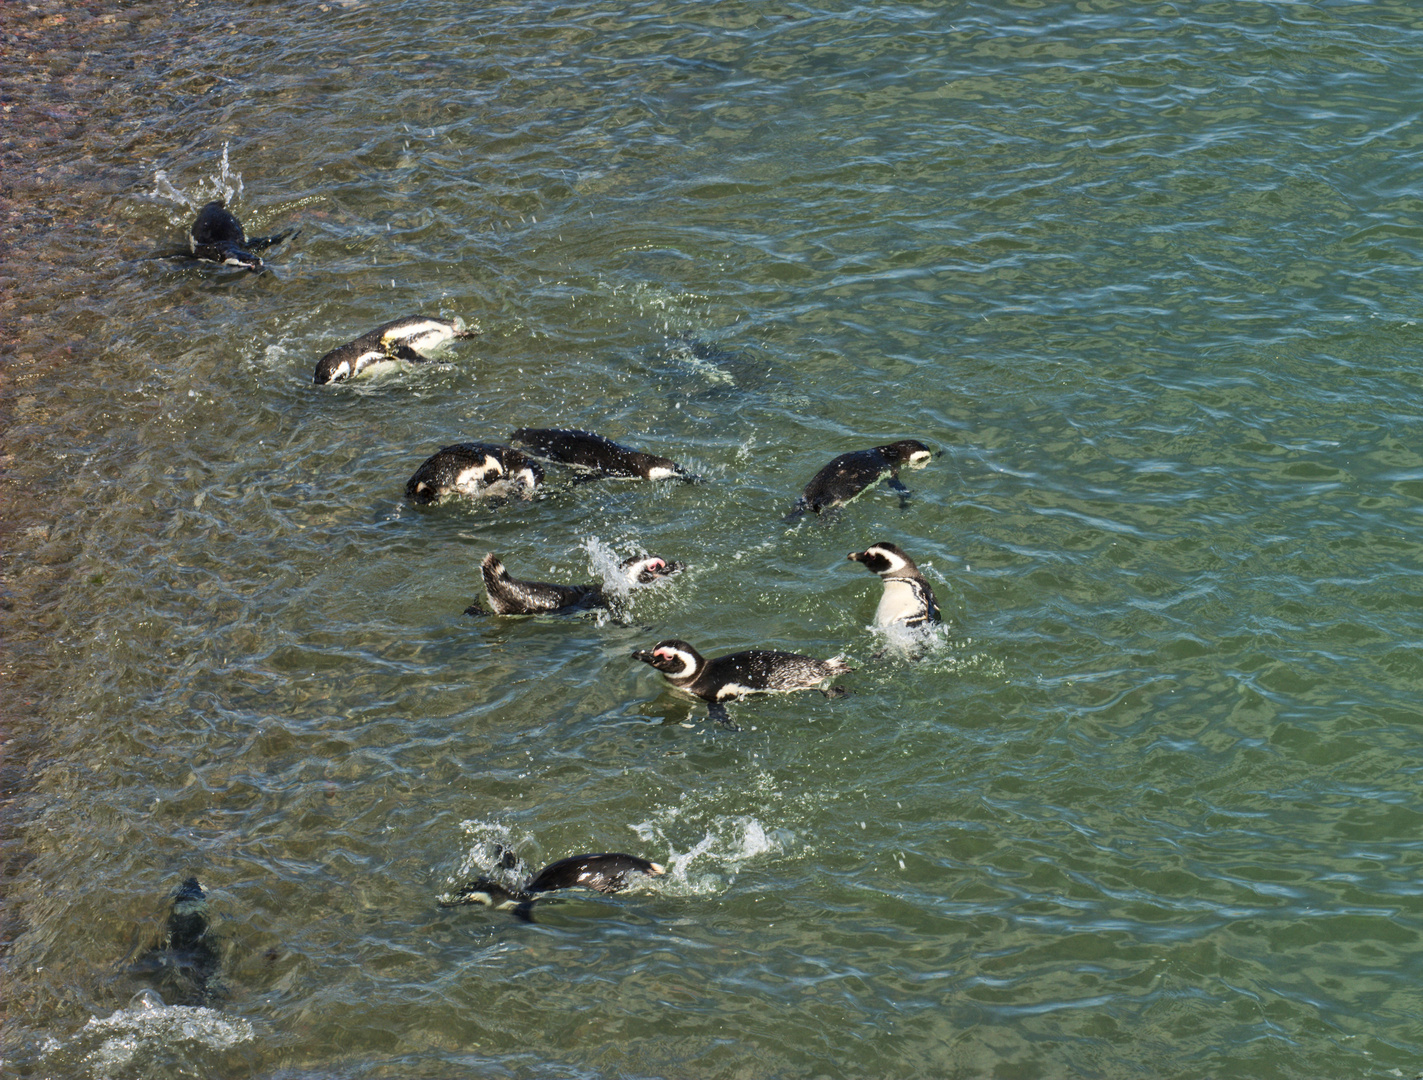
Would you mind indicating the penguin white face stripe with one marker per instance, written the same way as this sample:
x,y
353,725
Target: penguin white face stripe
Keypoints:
x,y
688,662
895,560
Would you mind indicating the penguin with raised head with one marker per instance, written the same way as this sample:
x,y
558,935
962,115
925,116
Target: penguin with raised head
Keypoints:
x,y
187,956
850,474
908,600
755,671
476,470
508,596
596,456
401,339
605,873
217,236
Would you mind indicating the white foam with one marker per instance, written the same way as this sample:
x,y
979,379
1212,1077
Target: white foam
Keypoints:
x,y
725,847
148,1023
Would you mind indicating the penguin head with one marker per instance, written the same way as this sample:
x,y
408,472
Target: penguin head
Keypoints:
x,y
673,657
909,452
232,255
882,558
523,471
644,571
661,468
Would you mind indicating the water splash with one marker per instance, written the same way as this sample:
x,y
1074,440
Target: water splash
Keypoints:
x,y
225,185
723,849
490,843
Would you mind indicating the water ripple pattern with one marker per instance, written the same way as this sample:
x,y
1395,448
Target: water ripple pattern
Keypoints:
x,y
1146,279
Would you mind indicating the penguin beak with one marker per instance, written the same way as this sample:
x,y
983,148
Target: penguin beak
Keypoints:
x,y
856,556
643,655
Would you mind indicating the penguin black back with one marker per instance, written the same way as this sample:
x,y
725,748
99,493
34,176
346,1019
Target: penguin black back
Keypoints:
x,y
217,236
601,456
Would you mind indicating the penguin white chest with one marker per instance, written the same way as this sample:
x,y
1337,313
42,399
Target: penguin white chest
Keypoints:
x,y
900,603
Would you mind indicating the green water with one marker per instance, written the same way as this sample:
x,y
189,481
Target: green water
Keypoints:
x,y
1144,274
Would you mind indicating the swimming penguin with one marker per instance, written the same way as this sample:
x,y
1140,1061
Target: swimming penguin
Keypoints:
x,y
187,955
479,470
510,597
908,600
599,456
607,873
850,474
401,339
753,672
217,236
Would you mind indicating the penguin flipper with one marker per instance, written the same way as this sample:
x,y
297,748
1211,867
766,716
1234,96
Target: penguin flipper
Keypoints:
x,y
717,711
263,242
405,352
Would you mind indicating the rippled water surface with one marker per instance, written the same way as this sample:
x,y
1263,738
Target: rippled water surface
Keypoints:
x,y
1144,276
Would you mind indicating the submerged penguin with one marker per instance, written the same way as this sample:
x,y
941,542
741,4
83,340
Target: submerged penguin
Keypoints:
x,y
186,958
217,236
401,339
850,474
478,470
508,596
908,599
600,457
606,873
755,671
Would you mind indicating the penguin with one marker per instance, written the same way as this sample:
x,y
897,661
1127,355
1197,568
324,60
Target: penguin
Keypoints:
x,y
908,600
600,457
606,873
479,470
850,474
752,672
510,597
400,339
217,236
186,955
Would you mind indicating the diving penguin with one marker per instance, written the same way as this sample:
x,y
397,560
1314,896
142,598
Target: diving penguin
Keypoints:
x,y
596,456
186,958
508,596
605,873
217,236
848,475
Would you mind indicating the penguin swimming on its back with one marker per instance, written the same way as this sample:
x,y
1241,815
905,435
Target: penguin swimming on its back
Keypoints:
x,y
508,596
479,470
755,671
400,339
605,873
599,456
217,236
850,474
908,599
